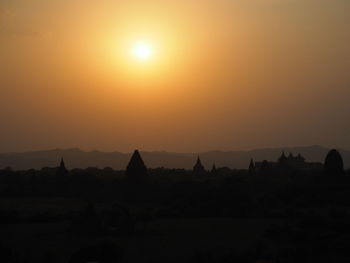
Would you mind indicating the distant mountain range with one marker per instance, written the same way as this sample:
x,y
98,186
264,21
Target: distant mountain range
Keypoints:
x,y
76,158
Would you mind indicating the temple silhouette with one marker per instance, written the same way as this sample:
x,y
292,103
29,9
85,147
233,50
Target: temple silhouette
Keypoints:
x,y
290,163
62,170
334,164
213,169
198,168
136,171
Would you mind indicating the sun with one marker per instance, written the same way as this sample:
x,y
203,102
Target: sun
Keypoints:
x,y
142,51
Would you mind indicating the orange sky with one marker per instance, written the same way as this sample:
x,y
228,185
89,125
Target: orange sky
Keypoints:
x,y
225,74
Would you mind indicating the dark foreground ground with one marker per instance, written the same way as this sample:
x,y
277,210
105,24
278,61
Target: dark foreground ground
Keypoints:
x,y
174,216
157,240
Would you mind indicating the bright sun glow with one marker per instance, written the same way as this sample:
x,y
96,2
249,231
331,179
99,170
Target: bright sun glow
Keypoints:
x,y
142,51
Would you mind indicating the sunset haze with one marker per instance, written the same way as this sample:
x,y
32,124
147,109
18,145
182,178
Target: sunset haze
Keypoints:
x,y
218,75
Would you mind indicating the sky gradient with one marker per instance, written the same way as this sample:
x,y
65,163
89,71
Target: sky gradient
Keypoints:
x,y
225,75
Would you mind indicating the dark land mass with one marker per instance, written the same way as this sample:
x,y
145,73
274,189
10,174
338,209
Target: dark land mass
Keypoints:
x,y
289,210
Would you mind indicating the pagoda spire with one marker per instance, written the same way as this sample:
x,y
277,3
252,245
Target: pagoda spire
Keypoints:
x,y
251,166
198,168
62,164
136,169
213,169
282,158
62,170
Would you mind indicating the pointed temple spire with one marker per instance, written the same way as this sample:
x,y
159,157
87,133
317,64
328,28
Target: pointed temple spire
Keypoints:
x,y
62,170
136,170
282,158
198,167
62,164
213,169
334,164
251,166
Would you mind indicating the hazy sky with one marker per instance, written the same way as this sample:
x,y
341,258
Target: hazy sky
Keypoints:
x,y
225,74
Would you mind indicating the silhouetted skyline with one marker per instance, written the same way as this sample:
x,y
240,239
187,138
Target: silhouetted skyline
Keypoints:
x,y
77,158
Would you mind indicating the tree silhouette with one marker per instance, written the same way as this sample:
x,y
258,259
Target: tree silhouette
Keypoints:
x,y
334,164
